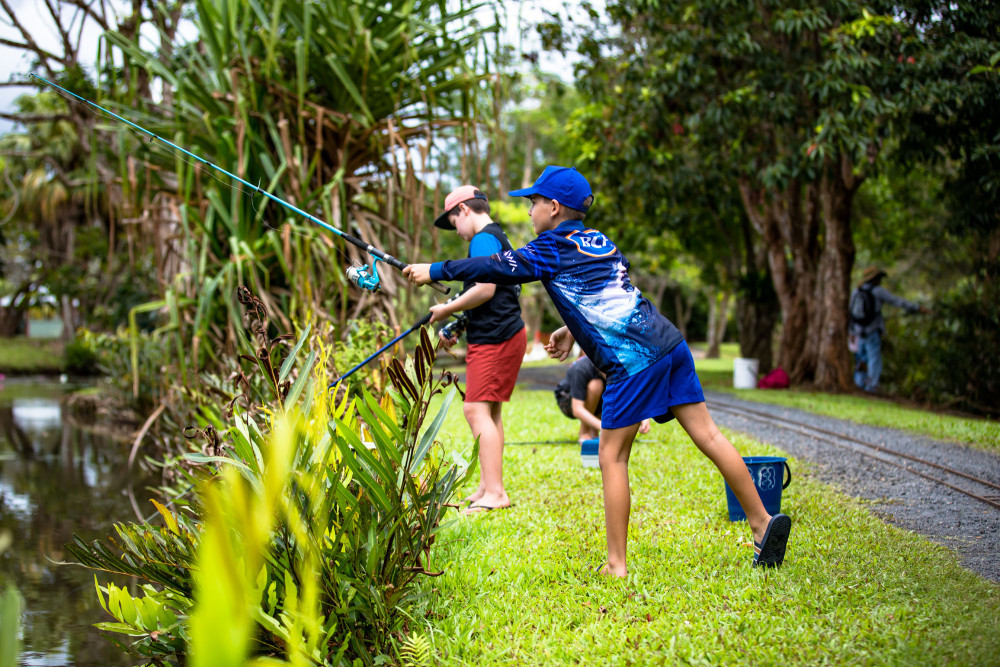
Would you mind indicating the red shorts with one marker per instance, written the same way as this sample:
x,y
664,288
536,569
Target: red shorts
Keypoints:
x,y
491,370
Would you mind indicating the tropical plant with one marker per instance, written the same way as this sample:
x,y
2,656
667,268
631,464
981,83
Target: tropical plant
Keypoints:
x,y
327,109
315,513
928,356
54,233
11,604
360,339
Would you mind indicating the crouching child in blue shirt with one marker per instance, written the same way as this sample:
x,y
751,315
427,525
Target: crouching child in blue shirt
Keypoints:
x,y
649,368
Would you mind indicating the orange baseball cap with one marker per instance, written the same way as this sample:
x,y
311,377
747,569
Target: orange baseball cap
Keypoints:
x,y
454,198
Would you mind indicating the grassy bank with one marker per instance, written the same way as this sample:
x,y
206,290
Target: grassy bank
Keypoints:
x,y
717,375
519,585
23,356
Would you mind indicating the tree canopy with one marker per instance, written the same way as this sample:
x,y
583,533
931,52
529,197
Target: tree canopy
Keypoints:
x,y
786,105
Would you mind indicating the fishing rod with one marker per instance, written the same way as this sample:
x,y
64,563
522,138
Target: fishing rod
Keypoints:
x,y
371,250
450,330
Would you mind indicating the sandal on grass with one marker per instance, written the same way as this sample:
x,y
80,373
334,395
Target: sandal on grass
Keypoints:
x,y
480,509
770,551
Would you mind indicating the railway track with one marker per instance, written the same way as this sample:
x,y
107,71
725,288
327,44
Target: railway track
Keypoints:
x,y
975,487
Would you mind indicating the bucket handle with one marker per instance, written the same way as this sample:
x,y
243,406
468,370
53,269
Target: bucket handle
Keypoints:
x,y
789,471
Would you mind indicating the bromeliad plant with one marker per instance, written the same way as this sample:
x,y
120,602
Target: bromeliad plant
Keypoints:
x,y
317,514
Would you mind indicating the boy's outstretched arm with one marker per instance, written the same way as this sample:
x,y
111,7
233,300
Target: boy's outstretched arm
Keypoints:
x,y
539,260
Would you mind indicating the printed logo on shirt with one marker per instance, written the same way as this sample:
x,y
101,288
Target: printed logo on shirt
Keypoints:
x,y
592,243
511,262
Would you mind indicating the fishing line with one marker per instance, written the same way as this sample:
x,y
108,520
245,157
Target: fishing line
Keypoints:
x,y
367,247
164,152
167,154
236,187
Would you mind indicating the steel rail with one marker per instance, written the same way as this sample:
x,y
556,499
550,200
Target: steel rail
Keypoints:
x,y
759,416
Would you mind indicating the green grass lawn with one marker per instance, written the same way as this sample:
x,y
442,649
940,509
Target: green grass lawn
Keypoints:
x,y
519,584
23,356
717,375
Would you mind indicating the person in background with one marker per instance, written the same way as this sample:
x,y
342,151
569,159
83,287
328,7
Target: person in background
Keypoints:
x,y
867,326
579,397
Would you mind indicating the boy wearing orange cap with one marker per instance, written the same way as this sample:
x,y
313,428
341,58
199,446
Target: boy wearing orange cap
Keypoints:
x,y
496,341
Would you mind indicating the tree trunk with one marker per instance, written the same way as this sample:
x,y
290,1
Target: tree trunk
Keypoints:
x,y
789,226
527,177
756,320
718,318
682,308
68,315
810,251
12,315
829,330
757,306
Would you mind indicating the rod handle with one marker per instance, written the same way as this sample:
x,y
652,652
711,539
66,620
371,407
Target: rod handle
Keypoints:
x,y
444,289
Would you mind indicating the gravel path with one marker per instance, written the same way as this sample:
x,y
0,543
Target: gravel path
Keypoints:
x,y
969,527
965,525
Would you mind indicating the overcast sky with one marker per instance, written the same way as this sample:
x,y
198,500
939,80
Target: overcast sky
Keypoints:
x,y
14,63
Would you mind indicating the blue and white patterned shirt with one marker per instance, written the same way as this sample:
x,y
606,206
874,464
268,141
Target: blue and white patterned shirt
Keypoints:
x,y
587,278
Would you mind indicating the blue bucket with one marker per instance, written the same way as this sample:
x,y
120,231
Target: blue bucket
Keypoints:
x,y
588,453
768,474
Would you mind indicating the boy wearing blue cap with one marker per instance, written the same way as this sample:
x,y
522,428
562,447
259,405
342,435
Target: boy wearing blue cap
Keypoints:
x,y
649,368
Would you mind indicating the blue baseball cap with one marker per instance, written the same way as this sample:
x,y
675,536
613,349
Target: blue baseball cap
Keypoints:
x,y
564,184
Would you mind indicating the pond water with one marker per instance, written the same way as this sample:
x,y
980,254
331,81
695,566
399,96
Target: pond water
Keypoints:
x,y
57,480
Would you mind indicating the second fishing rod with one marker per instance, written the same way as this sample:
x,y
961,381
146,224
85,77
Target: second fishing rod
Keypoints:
x,y
451,330
353,240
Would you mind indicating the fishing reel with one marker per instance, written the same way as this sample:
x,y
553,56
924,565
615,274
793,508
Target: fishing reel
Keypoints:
x,y
362,278
456,328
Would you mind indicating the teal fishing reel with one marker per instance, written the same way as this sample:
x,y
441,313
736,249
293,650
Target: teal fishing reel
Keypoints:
x,y
365,278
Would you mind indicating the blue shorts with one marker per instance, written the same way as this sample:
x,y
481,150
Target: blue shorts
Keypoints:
x,y
651,393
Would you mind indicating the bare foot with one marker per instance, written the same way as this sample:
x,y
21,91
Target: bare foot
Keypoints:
x,y
476,495
608,571
759,530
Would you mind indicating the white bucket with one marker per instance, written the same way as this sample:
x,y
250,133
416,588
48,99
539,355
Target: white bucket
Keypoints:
x,y
745,373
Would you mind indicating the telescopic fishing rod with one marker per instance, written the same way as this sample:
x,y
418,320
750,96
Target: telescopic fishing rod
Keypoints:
x,y
450,330
423,320
371,250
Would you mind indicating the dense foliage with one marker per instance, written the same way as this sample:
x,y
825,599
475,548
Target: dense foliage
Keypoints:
x,y
952,357
937,225
335,108
710,117
313,519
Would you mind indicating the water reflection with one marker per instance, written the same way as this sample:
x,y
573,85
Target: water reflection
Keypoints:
x,y
57,480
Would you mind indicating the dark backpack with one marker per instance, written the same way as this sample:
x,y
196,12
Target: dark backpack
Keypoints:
x,y
862,308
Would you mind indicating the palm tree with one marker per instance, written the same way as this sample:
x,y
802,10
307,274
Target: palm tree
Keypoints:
x,y
336,107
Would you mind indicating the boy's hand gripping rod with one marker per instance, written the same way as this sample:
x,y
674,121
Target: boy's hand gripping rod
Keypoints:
x,y
371,250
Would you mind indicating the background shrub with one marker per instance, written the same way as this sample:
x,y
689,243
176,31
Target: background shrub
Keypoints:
x,y
80,357
951,356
